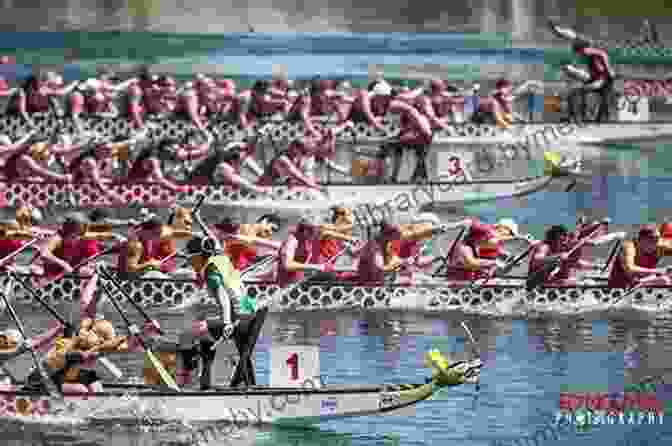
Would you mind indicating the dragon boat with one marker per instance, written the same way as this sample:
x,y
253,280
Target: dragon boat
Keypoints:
x,y
283,198
278,131
252,406
176,295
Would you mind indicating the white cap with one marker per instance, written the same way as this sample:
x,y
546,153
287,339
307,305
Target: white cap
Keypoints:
x,y
510,224
382,88
427,217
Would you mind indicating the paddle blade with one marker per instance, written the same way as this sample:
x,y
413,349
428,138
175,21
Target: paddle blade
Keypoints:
x,y
110,367
608,238
163,373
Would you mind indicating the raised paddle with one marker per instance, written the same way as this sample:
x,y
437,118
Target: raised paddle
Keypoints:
x,y
536,278
135,331
447,257
44,377
506,268
106,275
18,251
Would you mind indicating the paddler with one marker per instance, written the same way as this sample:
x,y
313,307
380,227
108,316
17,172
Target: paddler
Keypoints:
x,y
10,241
599,79
476,256
238,319
557,243
12,343
71,363
141,256
241,241
335,234
417,242
639,259
180,225
378,256
71,245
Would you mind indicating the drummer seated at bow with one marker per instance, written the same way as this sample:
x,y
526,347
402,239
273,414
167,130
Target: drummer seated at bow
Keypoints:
x,y
72,245
639,258
476,256
143,255
558,243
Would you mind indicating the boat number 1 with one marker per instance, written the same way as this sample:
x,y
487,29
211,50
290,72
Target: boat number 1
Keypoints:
x,y
293,364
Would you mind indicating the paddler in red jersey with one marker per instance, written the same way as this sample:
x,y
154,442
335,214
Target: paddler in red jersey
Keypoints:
x,y
142,255
416,244
557,243
139,94
599,79
435,104
147,168
10,241
241,241
180,224
257,104
288,167
476,256
498,107
300,253
639,259
69,247
378,257
31,162
415,129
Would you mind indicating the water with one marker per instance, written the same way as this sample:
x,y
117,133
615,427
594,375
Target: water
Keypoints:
x,y
527,362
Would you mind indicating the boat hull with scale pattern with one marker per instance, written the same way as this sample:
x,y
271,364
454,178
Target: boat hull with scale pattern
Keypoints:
x,y
169,295
89,195
279,130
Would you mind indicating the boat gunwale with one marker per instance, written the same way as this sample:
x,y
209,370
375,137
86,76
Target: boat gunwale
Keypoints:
x,y
391,285
297,189
159,392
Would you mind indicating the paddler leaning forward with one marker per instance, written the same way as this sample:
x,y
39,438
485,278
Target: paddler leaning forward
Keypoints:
x,y
476,256
238,318
71,362
379,257
72,245
558,242
639,258
141,256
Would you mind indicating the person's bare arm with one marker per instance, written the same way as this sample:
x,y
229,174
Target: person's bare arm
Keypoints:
x,y
135,255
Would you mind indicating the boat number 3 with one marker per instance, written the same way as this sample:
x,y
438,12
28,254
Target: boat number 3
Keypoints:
x,y
389,400
293,364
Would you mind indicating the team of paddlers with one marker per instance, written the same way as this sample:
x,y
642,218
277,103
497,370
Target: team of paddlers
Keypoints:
x,y
212,160
309,253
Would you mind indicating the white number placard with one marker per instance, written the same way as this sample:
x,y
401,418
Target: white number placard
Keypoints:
x,y
295,366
